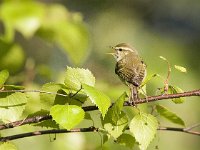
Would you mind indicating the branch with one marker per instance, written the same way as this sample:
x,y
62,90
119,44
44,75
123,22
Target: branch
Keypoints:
x,y
36,133
186,130
89,129
169,96
37,119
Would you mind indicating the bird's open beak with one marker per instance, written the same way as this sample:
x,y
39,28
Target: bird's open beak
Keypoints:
x,y
112,49
111,54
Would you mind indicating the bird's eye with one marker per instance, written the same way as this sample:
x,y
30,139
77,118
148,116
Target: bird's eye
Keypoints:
x,y
120,49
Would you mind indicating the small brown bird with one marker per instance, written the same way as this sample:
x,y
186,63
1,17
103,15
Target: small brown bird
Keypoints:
x,y
130,68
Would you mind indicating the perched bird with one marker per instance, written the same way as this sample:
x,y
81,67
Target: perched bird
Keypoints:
x,y
130,68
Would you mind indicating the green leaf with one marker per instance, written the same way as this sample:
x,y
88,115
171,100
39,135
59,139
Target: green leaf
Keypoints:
x,y
47,124
73,37
101,100
144,127
8,146
163,58
12,106
175,90
4,74
126,140
105,138
118,105
68,116
47,99
75,77
172,117
87,116
115,130
180,68
13,58
69,33
24,17
117,108
148,78
41,112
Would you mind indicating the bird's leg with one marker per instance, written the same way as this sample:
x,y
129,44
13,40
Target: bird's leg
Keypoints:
x,y
134,95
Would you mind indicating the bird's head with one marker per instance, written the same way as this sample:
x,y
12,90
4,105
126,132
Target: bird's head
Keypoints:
x,y
121,50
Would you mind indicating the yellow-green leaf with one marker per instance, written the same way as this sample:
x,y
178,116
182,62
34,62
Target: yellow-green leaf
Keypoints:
x,y
75,77
144,127
8,146
4,74
68,116
101,100
163,58
172,117
180,68
126,140
12,106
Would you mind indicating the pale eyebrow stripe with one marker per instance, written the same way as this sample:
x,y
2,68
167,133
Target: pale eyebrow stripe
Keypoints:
x,y
124,48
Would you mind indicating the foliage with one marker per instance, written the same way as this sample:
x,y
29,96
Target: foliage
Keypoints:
x,y
52,23
66,100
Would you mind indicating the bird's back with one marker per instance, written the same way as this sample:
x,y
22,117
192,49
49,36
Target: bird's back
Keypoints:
x,y
131,69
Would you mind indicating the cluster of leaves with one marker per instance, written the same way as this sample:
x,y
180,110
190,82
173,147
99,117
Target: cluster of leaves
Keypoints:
x,y
65,101
52,23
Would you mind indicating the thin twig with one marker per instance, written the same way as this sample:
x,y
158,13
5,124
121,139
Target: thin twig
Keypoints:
x,y
179,130
192,127
89,129
32,91
43,132
34,119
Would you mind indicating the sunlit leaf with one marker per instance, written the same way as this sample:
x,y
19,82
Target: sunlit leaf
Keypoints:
x,y
148,78
50,98
172,117
68,116
101,100
115,129
75,77
163,58
144,127
180,68
175,90
117,108
69,33
4,74
25,17
8,146
12,106
126,140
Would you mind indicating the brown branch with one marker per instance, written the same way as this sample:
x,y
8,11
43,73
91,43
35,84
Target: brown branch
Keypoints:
x,y
32,91
179,130
169,96
37,119
43,132
89,129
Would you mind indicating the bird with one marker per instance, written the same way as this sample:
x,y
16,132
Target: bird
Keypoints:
x,y
130,68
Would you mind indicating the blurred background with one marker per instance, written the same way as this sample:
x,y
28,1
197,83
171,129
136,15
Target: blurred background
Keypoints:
x,y
38,39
